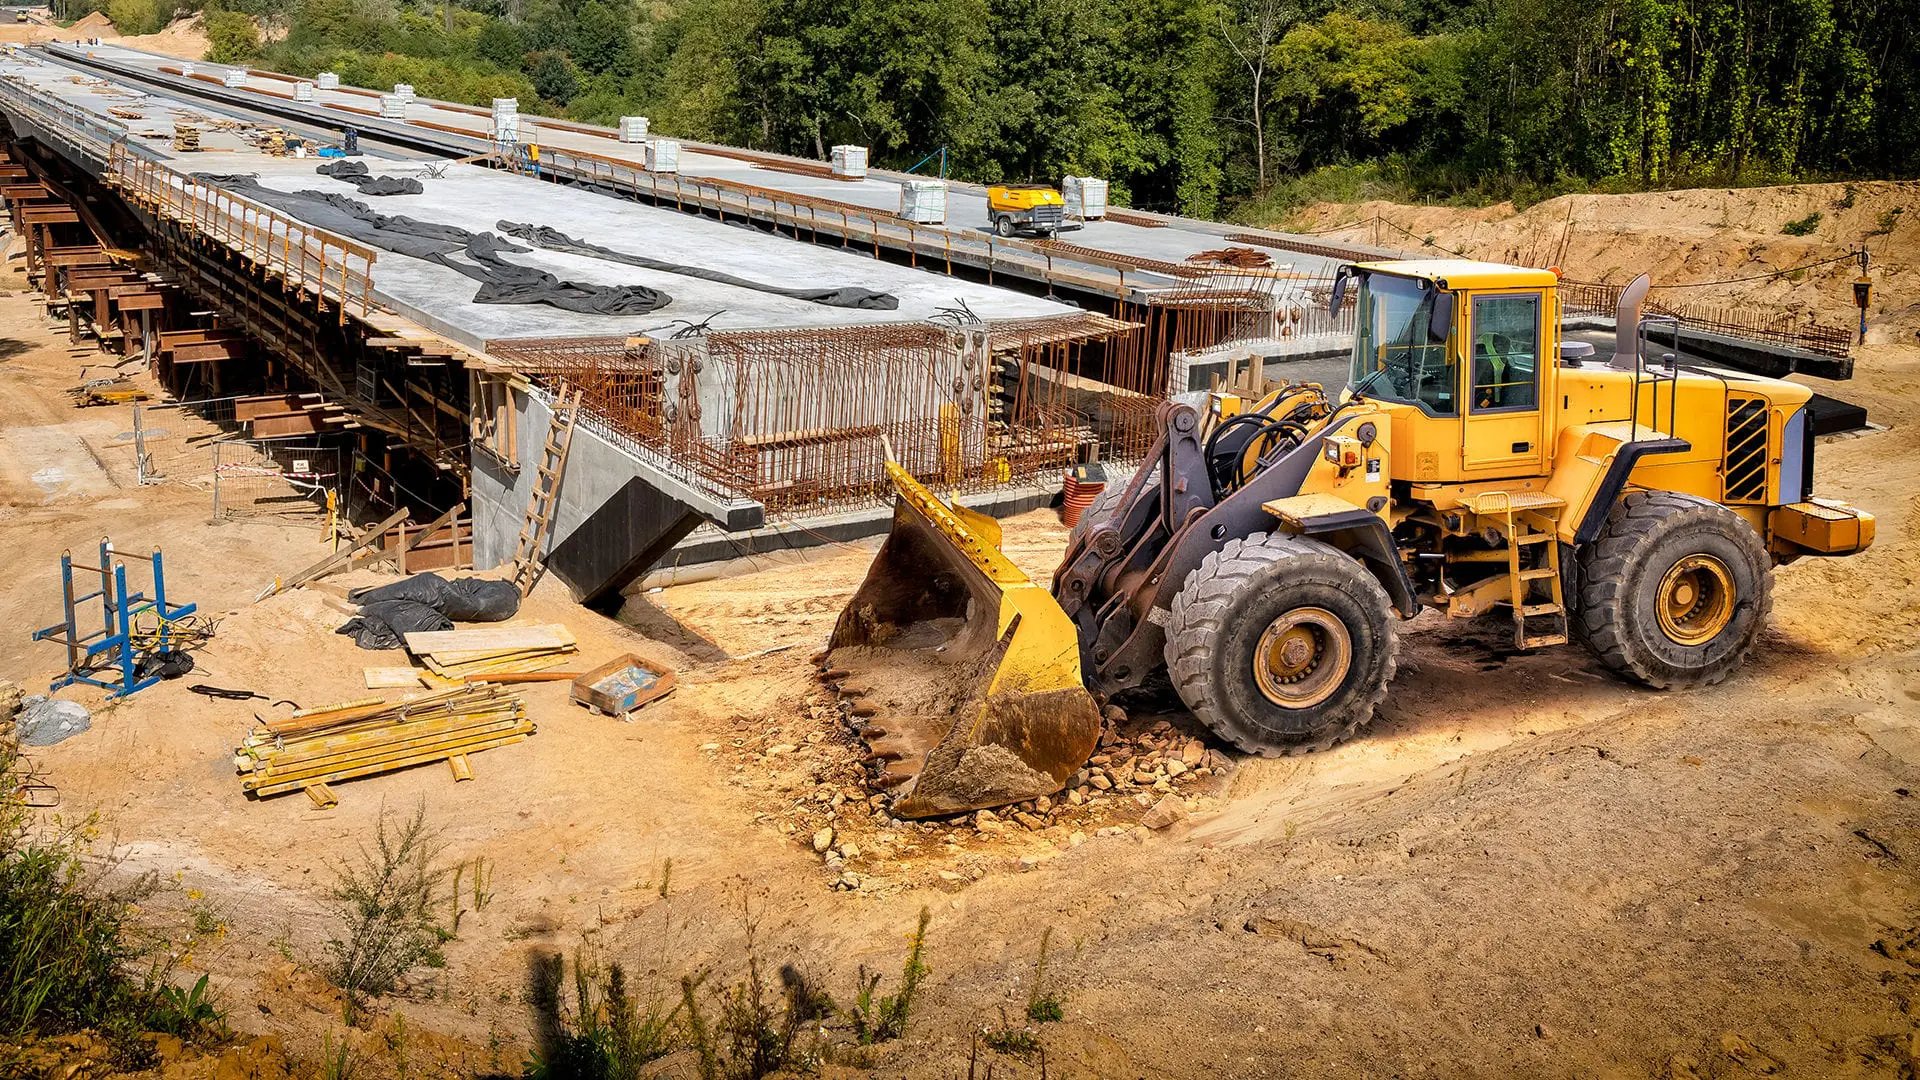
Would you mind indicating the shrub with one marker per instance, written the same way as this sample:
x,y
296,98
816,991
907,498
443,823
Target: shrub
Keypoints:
x,y
608,1036
69,946
232,38
384,902
1804,226
877,1021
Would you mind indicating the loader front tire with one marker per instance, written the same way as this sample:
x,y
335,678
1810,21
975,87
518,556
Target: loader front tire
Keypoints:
x,y
1281,644
1674,591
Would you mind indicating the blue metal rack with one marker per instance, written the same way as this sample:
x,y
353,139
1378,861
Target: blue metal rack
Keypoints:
x,y
114,640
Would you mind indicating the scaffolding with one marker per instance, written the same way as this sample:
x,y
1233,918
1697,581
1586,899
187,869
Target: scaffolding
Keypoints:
x,y
124,642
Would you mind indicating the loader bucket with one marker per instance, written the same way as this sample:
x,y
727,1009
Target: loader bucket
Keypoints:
x,y
963,675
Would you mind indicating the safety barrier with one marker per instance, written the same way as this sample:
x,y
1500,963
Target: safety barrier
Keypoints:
x,y
336,270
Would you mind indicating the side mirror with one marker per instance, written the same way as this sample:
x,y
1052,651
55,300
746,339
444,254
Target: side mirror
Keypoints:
x,y
1440,324
1339,300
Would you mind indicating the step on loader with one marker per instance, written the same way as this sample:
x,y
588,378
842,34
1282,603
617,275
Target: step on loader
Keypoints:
x,y
1263,549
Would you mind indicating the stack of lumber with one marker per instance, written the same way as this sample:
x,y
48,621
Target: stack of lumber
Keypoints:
x,y
186,137
495,650
314,747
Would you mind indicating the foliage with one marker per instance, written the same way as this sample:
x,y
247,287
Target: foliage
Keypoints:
x,y
1189,105
71,951
1044,1005
232,37
384,903
886,1018
1802,226
608,1035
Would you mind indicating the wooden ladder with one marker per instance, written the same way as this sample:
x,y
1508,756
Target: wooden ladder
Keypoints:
x,y
534,531
1537,620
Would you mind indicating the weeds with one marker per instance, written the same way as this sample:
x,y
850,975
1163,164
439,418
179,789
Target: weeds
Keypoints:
x,y
1845,201
385,905
69,945
186,1012
756,1034
877,1021
609,1035
1044,1006
1008,1039
338,1061
1888,219
1804,226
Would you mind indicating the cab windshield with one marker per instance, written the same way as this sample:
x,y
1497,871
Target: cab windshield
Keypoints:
x,y
1395,354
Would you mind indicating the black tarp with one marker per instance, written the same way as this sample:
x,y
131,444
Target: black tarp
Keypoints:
x,y
477,255
467,599
847,296
355,173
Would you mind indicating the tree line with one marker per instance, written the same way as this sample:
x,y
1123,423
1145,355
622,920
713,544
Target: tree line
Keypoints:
x,y
1205,107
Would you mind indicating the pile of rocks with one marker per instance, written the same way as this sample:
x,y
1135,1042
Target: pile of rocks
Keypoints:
x,y
1149,769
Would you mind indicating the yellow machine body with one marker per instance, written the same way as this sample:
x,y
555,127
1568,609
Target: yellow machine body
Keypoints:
x,y
1470,449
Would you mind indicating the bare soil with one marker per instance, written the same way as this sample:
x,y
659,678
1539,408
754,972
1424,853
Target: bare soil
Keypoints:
x,y
185,38
1524,867
1686,237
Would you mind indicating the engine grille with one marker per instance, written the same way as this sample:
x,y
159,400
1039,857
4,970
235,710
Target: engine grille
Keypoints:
x,y
1745,465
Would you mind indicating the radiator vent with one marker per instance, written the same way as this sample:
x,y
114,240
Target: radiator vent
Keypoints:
x,y
1745,466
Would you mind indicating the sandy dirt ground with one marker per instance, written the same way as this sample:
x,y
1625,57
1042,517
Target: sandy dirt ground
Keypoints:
x,y
1685,238
1524,867
185,38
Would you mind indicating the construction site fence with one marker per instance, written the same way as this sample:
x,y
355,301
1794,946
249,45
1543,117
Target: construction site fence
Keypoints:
x,y
1748,322
256,477
172,440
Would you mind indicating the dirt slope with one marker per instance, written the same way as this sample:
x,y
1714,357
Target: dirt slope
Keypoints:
x,y
185,38
1695,235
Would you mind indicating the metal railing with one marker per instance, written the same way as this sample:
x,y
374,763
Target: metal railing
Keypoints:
x,y
336,270
88,134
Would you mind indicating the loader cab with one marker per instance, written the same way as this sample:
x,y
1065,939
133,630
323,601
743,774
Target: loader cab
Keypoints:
x,y
1461,354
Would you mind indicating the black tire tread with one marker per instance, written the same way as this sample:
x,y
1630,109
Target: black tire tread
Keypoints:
x,y
1198,617
1604,566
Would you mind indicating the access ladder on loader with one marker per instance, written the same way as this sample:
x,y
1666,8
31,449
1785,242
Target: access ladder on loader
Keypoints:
x,y
527,559
1530,520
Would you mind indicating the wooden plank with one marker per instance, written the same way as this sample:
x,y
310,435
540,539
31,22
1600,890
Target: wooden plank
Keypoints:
x,y
336,560
169,339
247,408
499,638
208,352
391,678
72,257
279,427
141,302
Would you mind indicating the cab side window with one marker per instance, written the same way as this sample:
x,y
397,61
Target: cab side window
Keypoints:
x,y
1506,352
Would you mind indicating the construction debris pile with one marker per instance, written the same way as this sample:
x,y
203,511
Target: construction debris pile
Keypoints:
x,y
1243,258
315,747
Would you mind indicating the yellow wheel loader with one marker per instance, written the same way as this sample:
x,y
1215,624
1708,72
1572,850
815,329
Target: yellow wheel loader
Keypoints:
x,y
1261,552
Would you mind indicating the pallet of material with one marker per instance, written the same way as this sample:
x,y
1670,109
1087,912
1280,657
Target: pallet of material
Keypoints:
x,y
461,654
316,747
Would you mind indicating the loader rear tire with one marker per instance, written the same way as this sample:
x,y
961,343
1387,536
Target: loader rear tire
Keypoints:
x,y
1281,644
1674,591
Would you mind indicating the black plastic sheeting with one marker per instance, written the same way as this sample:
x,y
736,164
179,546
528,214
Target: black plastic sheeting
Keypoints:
x,y
477,255
385,624
551,239
467,599
355,173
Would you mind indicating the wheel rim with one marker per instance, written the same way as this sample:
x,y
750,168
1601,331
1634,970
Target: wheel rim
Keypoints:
x,y
1695,600
1302,657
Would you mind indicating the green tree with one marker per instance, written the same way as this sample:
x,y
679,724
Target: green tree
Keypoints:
x,y
554,77
232,38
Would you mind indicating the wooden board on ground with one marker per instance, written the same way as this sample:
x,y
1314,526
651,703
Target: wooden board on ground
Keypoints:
x,y
490,639
391,678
